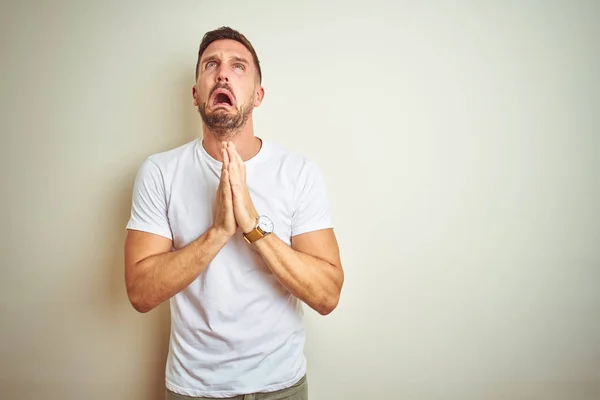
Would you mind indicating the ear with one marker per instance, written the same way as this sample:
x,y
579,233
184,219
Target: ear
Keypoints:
x,y
259,95
195,102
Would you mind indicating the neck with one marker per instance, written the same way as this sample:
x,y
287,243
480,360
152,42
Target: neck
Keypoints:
x,y
246,143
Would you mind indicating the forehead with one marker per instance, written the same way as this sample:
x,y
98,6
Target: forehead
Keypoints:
x,y
226,48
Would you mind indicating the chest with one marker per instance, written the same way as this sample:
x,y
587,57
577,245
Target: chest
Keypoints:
x,y
192,198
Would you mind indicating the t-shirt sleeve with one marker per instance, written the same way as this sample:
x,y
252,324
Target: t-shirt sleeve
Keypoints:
x,y
313,209
149,203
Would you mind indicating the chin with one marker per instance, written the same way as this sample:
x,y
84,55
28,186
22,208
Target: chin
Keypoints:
x,y
223,121
222,110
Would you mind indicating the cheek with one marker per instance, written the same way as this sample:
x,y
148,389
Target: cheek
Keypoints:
x,y
250,92
202,90
202,97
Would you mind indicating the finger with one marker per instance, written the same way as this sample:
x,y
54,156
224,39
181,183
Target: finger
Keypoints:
x,y
240,163
229,148
226,161
226,185
226,188
222,179
233,153
233,162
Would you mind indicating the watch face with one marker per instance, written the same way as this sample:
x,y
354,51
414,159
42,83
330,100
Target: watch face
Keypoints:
x,y
265,224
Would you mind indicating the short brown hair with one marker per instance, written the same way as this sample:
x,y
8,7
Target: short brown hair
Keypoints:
x,y
226,32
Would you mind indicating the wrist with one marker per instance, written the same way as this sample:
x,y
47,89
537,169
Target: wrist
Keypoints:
x,y
219,234
249,225
262,227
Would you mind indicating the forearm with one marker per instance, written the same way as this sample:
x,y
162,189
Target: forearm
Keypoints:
x,y
159,277
313,280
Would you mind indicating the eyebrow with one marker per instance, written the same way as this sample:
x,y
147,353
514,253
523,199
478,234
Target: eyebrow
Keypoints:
x,y
240,59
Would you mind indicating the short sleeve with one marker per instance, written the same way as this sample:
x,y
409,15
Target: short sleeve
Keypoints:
x,y
312,207
149,204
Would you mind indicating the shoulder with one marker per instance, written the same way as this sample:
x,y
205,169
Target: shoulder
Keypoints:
x,y
290,159
159,168
302,172
167,159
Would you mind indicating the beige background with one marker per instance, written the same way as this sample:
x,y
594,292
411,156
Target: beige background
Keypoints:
x,y
460,142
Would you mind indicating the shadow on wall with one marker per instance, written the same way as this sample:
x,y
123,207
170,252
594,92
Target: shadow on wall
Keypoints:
x,y
148,333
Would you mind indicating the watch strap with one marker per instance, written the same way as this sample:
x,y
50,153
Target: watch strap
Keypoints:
x,y
254,235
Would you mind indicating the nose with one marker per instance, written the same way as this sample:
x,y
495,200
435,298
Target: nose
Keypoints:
x,y
222,73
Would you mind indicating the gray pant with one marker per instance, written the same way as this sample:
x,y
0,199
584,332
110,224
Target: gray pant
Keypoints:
x,y
299,391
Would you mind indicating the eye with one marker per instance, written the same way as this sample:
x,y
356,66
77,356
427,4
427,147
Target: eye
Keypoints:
x,y
239,66
211,64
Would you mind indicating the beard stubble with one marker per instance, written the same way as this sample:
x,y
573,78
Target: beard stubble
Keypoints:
x,y
226,124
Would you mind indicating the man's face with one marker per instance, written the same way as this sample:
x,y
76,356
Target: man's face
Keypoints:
x,y
227,88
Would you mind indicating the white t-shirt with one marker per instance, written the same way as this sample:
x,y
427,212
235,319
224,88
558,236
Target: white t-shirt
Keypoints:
x,y
235,329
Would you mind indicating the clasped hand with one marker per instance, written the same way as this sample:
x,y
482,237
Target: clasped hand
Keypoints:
x,y
234,206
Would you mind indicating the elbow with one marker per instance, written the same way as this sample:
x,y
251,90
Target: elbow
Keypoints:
x,y
138,303
140,307
136,296
331,301
327,307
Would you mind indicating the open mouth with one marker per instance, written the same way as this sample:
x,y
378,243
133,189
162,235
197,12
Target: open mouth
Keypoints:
x,y
222,98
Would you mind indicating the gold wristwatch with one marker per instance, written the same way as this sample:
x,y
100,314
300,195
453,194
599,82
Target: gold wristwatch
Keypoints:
x,y
263,227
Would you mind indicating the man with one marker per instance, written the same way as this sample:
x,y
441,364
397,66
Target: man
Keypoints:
x,y
236,232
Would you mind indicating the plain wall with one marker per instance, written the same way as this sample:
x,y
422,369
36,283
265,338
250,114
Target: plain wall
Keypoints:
x,y
460,143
